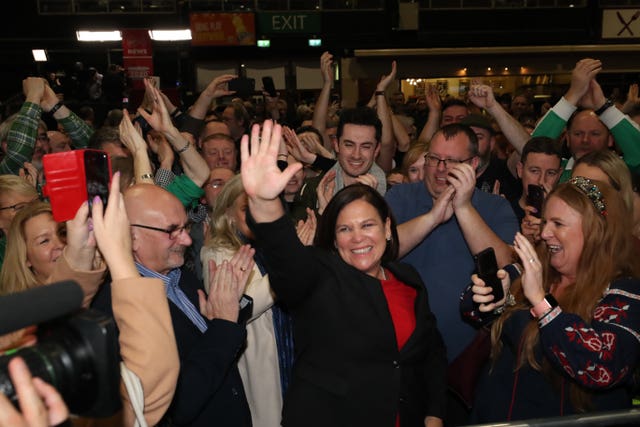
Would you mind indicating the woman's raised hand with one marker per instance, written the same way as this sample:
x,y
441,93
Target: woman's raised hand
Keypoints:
x,y
261,177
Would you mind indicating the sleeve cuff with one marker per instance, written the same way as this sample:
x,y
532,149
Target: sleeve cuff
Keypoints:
x,y
564,109
611,117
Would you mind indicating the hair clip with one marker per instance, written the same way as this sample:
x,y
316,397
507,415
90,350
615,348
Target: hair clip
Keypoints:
x,y
592,191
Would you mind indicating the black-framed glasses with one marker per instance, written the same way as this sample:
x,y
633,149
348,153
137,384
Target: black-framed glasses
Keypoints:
x,y
18,206
433,161
173,230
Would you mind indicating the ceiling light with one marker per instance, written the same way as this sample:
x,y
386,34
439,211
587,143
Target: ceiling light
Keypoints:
x,y
99,36
39,55
170,35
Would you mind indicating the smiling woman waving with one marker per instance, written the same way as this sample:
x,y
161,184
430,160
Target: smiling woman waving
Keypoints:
x,y
367,348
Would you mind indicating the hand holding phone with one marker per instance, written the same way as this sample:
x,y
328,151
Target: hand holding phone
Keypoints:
x,y
487,270
535,198
242,86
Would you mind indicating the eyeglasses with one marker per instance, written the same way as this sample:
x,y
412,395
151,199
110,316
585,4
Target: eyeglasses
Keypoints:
x,y
173,231
18,206
434,162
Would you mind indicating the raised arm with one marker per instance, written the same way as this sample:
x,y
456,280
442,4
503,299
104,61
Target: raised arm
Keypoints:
x,y
79,131
321,108
387,141
483,97
194,165
133,140
433,119
216,89
262,179
137,301
22,135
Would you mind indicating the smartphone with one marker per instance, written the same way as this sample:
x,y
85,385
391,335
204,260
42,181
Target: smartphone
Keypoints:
x,y
269,86
73,177
487,270
244,87
97,169
535,198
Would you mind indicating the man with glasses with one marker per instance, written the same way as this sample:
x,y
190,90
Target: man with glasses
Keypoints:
x,y
209,340
444,221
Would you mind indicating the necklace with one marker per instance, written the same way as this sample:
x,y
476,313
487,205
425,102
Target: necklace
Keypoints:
x,y
384,275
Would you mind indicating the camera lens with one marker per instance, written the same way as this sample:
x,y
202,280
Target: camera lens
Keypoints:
x,y
62,360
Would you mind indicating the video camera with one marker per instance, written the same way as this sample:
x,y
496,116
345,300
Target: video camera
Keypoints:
x,y
77,351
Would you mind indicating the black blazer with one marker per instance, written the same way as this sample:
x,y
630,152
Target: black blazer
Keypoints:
x,y
209,390
348,370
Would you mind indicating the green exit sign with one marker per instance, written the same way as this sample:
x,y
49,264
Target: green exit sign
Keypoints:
x,y
269,23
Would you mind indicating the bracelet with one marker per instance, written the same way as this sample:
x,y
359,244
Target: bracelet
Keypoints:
x,y
185,148
146,176
604,107
55,108
283,155
547,318
379,93
543,308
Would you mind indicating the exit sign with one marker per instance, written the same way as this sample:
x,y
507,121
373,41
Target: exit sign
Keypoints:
x,y
269,23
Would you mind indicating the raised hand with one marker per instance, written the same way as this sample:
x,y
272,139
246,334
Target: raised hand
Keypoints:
x,y
386,80
113,234
482,96
326,188
326,67
433,98
81,241
219,86
129,135
29,173
532,276
306,230
594,97
296,148
159,119
585,70
33,89
261,177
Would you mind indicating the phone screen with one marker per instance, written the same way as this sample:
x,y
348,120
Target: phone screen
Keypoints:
x,y
535,198
97,173
487,270
243,87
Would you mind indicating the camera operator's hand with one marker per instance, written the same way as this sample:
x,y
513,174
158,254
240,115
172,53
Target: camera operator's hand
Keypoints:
x,y
40,403
111,228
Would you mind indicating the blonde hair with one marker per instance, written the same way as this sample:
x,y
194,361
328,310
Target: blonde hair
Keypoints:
x,y
15,275
222,229
413,154
615,169
607,254
15,184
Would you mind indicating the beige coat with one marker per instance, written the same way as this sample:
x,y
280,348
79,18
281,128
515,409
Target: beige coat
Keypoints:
x,y
258,364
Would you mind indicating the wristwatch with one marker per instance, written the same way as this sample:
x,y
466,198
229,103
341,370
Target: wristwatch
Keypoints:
x,y
608,103
544,306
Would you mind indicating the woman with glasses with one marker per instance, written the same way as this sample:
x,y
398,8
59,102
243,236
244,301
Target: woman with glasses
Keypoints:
x,y
15,194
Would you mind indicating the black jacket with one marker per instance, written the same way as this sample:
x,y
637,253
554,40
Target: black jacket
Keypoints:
x,y
348,370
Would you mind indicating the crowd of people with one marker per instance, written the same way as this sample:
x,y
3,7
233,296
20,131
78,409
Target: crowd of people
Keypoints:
x,y
319,269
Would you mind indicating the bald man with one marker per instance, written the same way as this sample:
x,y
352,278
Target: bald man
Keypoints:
x,y
209,385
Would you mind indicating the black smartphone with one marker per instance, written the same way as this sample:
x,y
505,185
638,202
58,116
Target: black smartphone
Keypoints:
x,y
269,86
244,87
535,198
487,270
97,172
